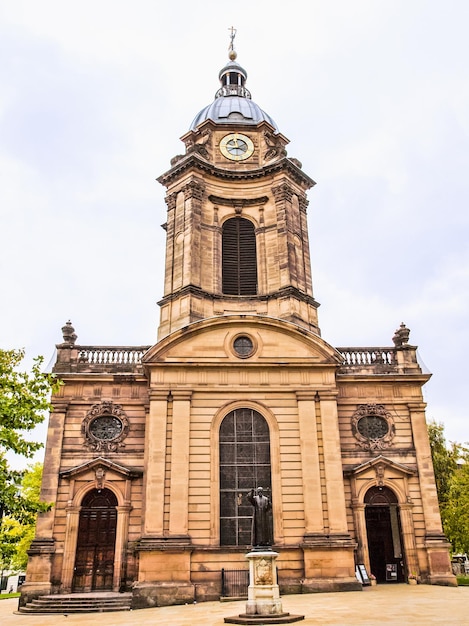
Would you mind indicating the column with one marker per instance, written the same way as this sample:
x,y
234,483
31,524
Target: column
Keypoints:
x,y
50,476
155,463
359,519
431,510
70,546
123,513
179,482
314,521
42,549
333,463
408,538
436,544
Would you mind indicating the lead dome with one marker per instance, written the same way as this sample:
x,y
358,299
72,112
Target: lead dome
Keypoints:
x,y
233,103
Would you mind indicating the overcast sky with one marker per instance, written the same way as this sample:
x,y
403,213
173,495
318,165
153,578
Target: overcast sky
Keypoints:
x,y
373,95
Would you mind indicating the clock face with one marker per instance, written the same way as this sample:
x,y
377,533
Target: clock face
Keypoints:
x,y
236,147
106,427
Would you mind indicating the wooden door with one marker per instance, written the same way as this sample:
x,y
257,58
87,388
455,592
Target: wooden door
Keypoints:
x,y
94,561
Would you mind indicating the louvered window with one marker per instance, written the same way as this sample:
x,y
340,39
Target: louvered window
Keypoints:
x,y
239,262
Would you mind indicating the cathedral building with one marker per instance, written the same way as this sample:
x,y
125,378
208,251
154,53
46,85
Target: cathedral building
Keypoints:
x,y
152,450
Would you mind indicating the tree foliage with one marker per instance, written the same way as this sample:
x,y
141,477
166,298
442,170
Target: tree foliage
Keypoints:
x,y
24,401
451,465
445,459
16,536
455,514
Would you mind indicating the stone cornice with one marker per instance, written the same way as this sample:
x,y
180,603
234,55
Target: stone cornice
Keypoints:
x,y
238,202
281,293
194,161
128,472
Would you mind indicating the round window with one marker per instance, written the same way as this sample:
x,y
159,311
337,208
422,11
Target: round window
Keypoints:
x,y
243,346
373,427
106,427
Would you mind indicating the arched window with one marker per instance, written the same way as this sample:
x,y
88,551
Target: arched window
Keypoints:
x,y
239,259
244,464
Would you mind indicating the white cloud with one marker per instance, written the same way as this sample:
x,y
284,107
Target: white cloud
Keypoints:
x,y
375,100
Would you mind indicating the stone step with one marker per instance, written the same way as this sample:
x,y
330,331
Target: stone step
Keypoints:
x,y
79,603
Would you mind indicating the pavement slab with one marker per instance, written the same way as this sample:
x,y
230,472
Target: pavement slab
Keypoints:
x,y
385,605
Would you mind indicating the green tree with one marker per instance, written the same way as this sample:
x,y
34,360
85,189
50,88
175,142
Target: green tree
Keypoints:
x,y
451,466
445,459
24,401
455,514
16,536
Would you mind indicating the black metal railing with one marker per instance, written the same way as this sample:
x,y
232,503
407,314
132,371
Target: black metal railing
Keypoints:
x,y
234,583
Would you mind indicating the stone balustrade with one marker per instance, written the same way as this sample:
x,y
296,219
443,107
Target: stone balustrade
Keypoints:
x,y
115,359
109,359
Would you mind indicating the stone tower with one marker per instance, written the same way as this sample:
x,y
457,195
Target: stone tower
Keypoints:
x,y
237,237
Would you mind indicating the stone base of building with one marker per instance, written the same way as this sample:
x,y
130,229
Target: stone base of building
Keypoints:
x,y
31,591
316,585
149,595
444,580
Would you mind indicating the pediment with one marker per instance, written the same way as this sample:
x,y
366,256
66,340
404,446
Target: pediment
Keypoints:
x,y
101,462
380,464
274,341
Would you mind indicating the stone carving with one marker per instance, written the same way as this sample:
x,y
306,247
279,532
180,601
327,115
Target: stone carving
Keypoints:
x,y
373,427
261,521
105,427
199,143
264,572
275,146
379,469
100,473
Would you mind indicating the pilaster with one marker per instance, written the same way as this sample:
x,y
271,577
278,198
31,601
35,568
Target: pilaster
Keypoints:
x,y
179,483
122,530
334,482
50,476
70,545
155,461
408,539
282,194
359,520
430,505
314,522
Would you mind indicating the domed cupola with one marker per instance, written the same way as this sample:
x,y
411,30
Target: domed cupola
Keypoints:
x,y
233,103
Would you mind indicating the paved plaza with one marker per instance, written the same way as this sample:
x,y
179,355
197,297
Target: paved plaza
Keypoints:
x,y
399,605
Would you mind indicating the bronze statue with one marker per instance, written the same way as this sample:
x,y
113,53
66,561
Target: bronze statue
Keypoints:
x,y
261,522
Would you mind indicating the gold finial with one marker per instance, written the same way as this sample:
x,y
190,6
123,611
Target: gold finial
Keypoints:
x,y
231,51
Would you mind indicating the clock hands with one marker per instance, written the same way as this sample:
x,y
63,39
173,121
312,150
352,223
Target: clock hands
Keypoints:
x,y
236,147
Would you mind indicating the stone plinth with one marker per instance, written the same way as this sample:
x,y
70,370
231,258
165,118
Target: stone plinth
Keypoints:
x,y
264,604
263,591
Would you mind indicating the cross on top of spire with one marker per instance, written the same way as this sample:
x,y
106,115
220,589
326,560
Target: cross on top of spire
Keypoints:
x,y
231,51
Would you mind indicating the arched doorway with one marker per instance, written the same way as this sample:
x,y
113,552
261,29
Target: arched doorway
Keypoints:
x,y
383,529
94,560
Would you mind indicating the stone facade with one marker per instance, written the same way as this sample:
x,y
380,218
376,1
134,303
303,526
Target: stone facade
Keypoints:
x,y
136,441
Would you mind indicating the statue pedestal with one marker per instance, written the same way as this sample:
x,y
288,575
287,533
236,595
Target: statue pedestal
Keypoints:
x,y
264,604
263,591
